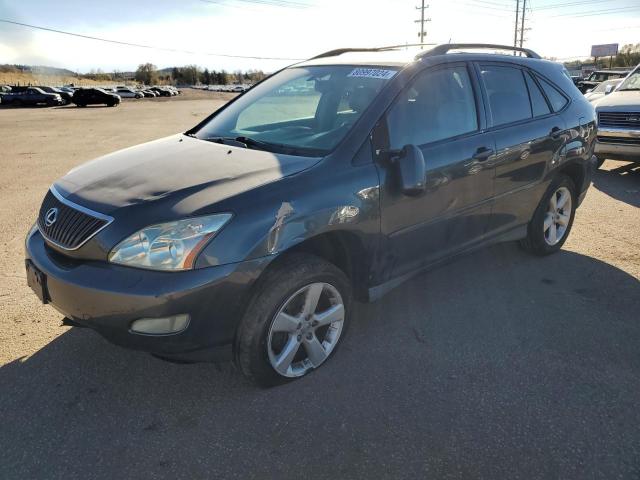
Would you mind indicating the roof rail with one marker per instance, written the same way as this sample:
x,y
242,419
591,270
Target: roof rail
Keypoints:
x,y
340,51
444,48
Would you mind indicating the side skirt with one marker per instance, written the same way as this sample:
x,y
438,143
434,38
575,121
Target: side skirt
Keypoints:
x,y
377,292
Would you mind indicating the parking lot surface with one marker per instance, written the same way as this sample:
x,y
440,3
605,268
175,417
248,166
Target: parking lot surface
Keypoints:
x,y
497,365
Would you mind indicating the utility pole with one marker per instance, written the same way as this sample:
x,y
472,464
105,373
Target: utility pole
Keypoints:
x,y
524,10
422,21
515,29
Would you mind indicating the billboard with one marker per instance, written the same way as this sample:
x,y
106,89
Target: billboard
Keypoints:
x,y
608,50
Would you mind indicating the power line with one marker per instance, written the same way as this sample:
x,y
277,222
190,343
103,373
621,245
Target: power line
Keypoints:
x,y
151,47
607,11
570,4
273,3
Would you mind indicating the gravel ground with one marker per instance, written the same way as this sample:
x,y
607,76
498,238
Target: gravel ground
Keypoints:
x,y
498,365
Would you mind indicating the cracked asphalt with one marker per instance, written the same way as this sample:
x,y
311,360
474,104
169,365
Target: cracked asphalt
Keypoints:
x,y
497,365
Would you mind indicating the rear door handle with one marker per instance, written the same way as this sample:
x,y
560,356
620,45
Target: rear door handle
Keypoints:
x,y
483,154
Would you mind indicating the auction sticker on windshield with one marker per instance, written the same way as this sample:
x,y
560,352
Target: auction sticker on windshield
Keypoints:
x,y
372,73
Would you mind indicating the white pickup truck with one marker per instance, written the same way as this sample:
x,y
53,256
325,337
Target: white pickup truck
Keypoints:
x,y
619,121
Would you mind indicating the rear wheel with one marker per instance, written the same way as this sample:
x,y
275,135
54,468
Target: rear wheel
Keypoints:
x,y
553,219
294,321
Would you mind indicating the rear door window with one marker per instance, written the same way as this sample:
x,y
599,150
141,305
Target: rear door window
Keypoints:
x,y
507,94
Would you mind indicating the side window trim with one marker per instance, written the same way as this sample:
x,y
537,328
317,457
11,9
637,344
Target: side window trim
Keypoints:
x,y
481,124
532,75
535,74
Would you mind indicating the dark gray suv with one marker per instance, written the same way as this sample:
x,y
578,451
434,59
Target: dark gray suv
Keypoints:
x,y
337,178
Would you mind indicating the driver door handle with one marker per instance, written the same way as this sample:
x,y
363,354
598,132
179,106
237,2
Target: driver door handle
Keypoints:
x,y
483,154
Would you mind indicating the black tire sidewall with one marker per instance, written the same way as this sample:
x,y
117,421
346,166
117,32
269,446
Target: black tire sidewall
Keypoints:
x,y
274,290
535,235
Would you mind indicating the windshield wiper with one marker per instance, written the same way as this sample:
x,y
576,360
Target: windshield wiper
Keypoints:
x,y
248,142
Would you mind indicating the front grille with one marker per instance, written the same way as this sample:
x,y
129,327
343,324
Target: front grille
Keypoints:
x,y
72,227
628,120
620,140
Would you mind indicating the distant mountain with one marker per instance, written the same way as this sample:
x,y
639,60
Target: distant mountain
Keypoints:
x,y
38,70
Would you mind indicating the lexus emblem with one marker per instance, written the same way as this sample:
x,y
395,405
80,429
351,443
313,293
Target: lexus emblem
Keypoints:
x,y
50,217
633,119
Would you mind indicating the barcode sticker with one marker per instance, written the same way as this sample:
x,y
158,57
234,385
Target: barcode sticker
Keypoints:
x,y
372,73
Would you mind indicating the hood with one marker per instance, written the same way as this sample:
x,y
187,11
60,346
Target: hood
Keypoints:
x,y
620,101
188,173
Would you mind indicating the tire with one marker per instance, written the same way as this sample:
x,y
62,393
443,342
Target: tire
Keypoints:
x,y
81,105
543,240
281,293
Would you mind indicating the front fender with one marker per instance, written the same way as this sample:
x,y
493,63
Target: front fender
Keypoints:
x,y
274,218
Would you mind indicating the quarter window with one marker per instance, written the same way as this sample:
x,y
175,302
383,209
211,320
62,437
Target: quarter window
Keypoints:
x,y
437,105
557,100
538,103
507,94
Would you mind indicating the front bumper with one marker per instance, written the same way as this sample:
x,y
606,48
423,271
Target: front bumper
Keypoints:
x,y
617,151
108,298
618,143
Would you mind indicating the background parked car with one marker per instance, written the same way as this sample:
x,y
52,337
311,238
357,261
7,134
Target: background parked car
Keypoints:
x,y
163,92
149,93
32,96
604,88
126,92
619,122
600,76
66,96
95,96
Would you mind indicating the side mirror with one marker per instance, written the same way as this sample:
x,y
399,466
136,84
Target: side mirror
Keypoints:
x,y
412,170
608,89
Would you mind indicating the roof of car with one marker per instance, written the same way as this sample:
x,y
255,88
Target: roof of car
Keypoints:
x,y
622,70
399,56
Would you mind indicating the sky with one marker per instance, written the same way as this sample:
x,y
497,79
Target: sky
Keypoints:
x,y
291,29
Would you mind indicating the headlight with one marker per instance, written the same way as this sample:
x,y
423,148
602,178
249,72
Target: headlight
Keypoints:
x,y
168,246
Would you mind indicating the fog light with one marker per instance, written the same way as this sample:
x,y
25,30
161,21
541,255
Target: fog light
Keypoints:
x,y
161,326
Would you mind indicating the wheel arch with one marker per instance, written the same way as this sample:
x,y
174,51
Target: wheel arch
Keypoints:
x,y
577,172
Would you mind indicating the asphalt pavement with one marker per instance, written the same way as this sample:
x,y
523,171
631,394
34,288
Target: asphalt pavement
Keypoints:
x,y
498,365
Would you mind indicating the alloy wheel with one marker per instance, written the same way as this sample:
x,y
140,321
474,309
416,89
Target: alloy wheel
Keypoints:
x,y
558,216
306,329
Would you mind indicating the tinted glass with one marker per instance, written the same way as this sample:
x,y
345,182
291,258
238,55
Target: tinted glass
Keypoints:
x,y
437,105
557,100
538,103
507,93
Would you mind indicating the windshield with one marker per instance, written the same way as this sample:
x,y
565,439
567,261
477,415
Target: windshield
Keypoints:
x,y
603,86
302,111
632,82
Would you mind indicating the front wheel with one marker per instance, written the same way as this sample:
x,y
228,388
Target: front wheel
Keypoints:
x,y
295,320
553,219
